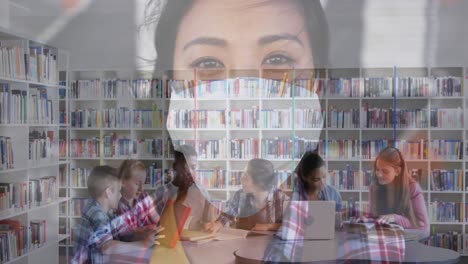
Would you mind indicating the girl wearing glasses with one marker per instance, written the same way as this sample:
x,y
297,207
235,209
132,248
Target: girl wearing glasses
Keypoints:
x,y
395,197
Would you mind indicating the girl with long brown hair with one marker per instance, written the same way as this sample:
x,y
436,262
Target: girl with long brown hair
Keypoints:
x,y
395,197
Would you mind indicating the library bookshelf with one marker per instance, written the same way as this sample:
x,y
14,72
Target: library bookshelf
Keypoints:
x,y
234,115
29,135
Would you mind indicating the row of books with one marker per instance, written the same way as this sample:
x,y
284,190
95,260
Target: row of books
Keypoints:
x,y
40,107
115,147
377,117
43,65
41,144
451,240
339,149
412,118
79,177
12,105
155,176
368,149
253,118
16,239
274,148
447,180
277,148
444,118
13,59
6,153
212,178
250,87
343,118
405,87
115,88
196,118
42,191
446,211
347,179
19,196
343,87
283,118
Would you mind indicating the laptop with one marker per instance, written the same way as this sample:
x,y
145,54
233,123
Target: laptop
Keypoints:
x,y
319,222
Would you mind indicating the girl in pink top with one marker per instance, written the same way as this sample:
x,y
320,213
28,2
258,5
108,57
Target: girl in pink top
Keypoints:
x,y
395,197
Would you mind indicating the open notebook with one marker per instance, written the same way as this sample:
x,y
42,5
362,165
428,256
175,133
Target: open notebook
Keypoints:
x,y
223,234
353,227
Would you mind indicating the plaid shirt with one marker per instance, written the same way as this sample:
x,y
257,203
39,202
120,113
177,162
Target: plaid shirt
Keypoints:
x,y
141,213
242,205
94,229
375,247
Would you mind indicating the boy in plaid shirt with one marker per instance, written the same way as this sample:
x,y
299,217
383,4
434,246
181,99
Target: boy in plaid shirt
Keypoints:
x,y
98,230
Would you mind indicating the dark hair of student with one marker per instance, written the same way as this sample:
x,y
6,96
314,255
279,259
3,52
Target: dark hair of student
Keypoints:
x,y
183,151
169,17
262,173
309,162
126,168
401,197
100,178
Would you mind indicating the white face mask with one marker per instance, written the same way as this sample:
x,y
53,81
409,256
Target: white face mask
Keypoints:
x,y
236,114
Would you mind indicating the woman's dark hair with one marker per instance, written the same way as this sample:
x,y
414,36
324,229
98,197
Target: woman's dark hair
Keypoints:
x,y
262,172
173,12
309,162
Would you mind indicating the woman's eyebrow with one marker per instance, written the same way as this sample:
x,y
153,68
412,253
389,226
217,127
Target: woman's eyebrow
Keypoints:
x,y
268,39
206,41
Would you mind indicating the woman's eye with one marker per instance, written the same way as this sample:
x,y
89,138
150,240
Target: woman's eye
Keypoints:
x,y
207,63
277,59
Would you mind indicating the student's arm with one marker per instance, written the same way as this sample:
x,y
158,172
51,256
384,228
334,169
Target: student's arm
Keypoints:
x,y
228,215
267,227
420,211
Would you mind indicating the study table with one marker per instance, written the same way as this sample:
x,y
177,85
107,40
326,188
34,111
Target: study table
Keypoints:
x,y
253,250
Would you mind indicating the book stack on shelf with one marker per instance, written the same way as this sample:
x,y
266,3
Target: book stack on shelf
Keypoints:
x,y
29,137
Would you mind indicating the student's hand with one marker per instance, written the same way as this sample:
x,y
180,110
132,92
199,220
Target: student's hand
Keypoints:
x,y
360,219
152,236
261,227
386,219
212,227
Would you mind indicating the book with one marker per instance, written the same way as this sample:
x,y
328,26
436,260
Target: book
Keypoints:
x,y
368,227
223,234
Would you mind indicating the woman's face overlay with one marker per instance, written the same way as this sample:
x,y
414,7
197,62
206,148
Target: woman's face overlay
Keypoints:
x,y
216,37
239,34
